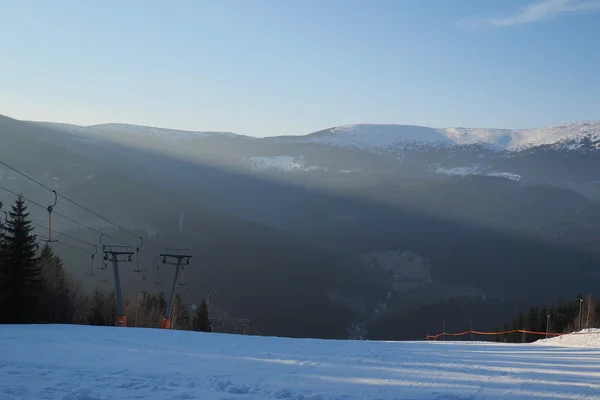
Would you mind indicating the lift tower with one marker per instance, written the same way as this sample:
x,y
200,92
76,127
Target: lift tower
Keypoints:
x,y
115,252
180,255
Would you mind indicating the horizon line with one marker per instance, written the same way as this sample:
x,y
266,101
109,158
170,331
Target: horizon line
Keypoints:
x,y
291,135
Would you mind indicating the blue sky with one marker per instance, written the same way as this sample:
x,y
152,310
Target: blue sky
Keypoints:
x,y
272,67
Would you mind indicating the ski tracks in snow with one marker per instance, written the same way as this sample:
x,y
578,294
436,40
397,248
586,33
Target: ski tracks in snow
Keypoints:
x,y
96,363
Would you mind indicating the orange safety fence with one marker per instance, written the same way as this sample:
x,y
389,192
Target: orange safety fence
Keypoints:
x,y
435,337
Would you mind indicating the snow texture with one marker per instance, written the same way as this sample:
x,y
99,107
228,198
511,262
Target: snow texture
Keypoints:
x,y
388,138
82,362
282,163
587,338
475,169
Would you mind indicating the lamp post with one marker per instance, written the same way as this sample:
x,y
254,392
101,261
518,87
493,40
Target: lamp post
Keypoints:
x,y
580,310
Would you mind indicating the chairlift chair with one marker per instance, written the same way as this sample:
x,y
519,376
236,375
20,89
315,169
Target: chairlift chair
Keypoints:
x,y
91,273
182,282
157,281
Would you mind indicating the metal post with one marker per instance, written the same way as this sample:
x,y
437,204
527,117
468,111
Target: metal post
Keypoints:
x,y
471,329
167,321
547,325
580,304
587,320
115,252
444,331
121,318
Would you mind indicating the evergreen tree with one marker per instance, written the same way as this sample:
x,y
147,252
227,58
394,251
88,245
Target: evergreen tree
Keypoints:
x,y
162,303
202,323
507,336
181,317
591,313
57,306
103,309
20,276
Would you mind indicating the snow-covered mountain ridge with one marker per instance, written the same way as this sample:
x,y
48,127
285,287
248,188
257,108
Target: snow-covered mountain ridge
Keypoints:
x,y
388,137
139,130
384,138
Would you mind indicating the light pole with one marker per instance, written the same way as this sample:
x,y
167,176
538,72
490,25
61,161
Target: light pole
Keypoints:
x,y
587,320
547,325
580,309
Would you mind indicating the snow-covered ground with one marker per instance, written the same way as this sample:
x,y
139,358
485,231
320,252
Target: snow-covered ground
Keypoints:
x,y
82,362
589,338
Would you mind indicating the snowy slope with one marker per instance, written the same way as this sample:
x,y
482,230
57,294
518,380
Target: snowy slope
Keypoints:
x,y
81,362
381,138
589,338
516,139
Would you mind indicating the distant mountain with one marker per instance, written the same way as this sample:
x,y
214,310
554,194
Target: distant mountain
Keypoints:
x,y
383,138
509,215
561,155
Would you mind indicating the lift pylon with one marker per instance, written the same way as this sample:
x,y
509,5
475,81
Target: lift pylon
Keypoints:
x,y
180,255
115,252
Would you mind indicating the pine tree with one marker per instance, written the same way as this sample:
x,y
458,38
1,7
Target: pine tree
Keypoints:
x,y
20,277
202,323
103,309
59,289
590,313
181,317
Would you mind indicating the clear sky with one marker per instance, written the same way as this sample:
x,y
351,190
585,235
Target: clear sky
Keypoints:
x,y
273,67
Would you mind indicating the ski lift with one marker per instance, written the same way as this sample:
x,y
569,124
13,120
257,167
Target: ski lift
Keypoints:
x,y
137,256
50,209
144,275
105,276
182,282
157,281
91,273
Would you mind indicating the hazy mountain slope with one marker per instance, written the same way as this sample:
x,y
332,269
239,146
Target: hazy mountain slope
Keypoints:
x,y
275,280
564,155
483,234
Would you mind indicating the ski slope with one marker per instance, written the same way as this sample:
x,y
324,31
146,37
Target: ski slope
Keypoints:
x,y
82,362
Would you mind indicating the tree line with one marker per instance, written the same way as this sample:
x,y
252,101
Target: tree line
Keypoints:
x,y
565,316
35,287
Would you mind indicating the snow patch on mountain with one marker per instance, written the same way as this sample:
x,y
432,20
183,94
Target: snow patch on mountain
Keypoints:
x,y
394,138
474,169
568,135
377,137
457,171
507,175
282,163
